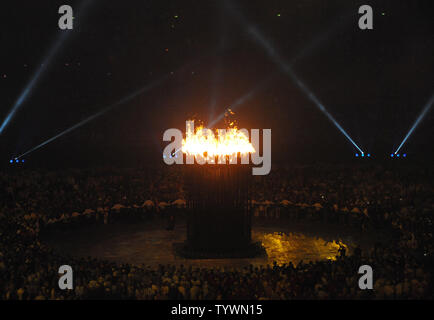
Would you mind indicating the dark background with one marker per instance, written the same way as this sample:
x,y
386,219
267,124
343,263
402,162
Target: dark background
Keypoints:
x,y
374,83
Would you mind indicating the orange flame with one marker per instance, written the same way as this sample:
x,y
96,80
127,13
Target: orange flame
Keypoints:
x,y
226,142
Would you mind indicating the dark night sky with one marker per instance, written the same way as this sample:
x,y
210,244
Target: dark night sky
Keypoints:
x,y
375,83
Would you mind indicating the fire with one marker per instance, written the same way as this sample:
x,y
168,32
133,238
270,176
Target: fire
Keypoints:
x,y
225,142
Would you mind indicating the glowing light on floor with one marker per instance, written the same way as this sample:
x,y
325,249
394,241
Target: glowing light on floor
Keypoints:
x,y
293,247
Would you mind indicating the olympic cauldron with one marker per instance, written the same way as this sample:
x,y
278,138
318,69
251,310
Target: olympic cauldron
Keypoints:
x,y
217,184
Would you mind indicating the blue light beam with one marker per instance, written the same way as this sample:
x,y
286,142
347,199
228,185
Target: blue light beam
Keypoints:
x,y
425,110
287,69
98,114
122,101
33,81
57,44
241,100
316,42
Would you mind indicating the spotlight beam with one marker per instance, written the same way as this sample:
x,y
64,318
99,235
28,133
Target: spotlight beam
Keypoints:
x,y
316,42
424,111
121,101
321,38
33,81
96,115
57,44
257,37
263,84
311,96
218,74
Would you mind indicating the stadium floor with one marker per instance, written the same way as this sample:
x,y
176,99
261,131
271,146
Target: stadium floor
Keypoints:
x,y
151,244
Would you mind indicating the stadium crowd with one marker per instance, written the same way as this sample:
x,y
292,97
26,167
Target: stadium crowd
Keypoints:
x,y
397,201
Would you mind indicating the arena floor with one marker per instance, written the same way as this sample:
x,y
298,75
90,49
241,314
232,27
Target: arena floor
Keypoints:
x,y
151,244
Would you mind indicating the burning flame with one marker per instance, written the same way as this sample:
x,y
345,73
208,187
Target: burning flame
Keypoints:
x,y
225,142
